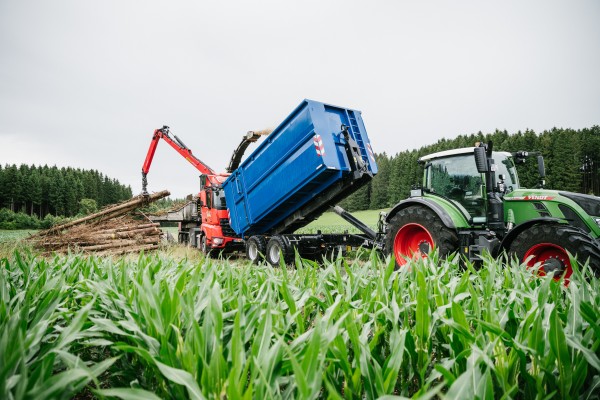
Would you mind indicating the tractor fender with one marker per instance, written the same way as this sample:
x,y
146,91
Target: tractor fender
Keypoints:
x,y
513,233
420,201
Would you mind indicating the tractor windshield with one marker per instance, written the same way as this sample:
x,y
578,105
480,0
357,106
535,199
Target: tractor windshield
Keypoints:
x,y
456,178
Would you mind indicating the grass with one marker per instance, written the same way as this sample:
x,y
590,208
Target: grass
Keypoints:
x,y
8,236
181,326
330,222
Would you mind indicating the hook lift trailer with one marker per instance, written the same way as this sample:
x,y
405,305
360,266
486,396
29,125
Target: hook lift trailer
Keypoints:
x,y
317,156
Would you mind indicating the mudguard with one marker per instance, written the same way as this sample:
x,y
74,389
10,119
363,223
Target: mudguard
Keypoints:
x,y
513,233
452,220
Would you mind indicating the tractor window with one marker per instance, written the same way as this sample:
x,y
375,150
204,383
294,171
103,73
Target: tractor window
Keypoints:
x,y
506,167
457,179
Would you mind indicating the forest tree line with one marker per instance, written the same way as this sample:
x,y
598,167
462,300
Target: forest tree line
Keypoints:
x,y
572,159
42,190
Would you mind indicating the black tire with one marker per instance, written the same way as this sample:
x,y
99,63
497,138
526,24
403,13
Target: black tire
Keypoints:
x,y
410,231
549,243
204,247
256,247
277,248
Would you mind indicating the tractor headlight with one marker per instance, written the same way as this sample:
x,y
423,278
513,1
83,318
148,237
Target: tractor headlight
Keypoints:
x,y
217,241
598,221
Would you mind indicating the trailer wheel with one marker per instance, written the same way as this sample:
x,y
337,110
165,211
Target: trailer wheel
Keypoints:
x,y
255,248
277,248
550,245
414,231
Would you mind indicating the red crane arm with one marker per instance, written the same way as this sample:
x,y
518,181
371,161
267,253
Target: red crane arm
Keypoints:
x,y
179,146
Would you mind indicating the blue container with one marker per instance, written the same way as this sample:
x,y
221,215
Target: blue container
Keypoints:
x,y
315,158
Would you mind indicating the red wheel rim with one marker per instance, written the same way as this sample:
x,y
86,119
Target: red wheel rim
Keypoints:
x,y
412,241
550,256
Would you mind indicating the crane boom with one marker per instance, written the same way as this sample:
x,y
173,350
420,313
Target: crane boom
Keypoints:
x,y
179,146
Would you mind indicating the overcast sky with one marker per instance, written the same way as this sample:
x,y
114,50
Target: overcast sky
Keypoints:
x,y
84,83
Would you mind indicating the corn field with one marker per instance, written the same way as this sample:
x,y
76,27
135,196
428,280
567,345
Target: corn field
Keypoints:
x,y
155,327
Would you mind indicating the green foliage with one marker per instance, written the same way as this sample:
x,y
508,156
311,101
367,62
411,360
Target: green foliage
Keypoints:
x,y
87,206
10,220
49,190
159,328
50,220
164,204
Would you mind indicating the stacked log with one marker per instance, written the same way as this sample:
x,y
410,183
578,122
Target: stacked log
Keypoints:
x,y
112,231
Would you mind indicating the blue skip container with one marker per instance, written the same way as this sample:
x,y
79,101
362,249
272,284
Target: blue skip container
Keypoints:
x,y
316,157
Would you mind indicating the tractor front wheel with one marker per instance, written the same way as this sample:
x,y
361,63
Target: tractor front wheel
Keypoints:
x,y
414,231
549,246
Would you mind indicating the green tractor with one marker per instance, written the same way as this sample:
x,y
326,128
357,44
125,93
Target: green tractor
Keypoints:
x,y
470,201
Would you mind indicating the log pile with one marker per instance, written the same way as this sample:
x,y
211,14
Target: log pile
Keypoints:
x,y
111,231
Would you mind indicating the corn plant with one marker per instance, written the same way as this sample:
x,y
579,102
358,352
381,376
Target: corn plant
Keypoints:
x,y
43,319
161,327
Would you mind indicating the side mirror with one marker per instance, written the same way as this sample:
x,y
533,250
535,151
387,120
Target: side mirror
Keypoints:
x,y
520,157
541,167
481,160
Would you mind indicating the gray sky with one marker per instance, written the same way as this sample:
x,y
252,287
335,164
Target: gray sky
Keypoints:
x,y
84,84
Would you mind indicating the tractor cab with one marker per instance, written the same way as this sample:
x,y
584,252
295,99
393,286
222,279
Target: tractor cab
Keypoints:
x,y
454,175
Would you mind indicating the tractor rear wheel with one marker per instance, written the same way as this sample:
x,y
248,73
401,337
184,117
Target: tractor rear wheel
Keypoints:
x,y
414,231
550,245
255,248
